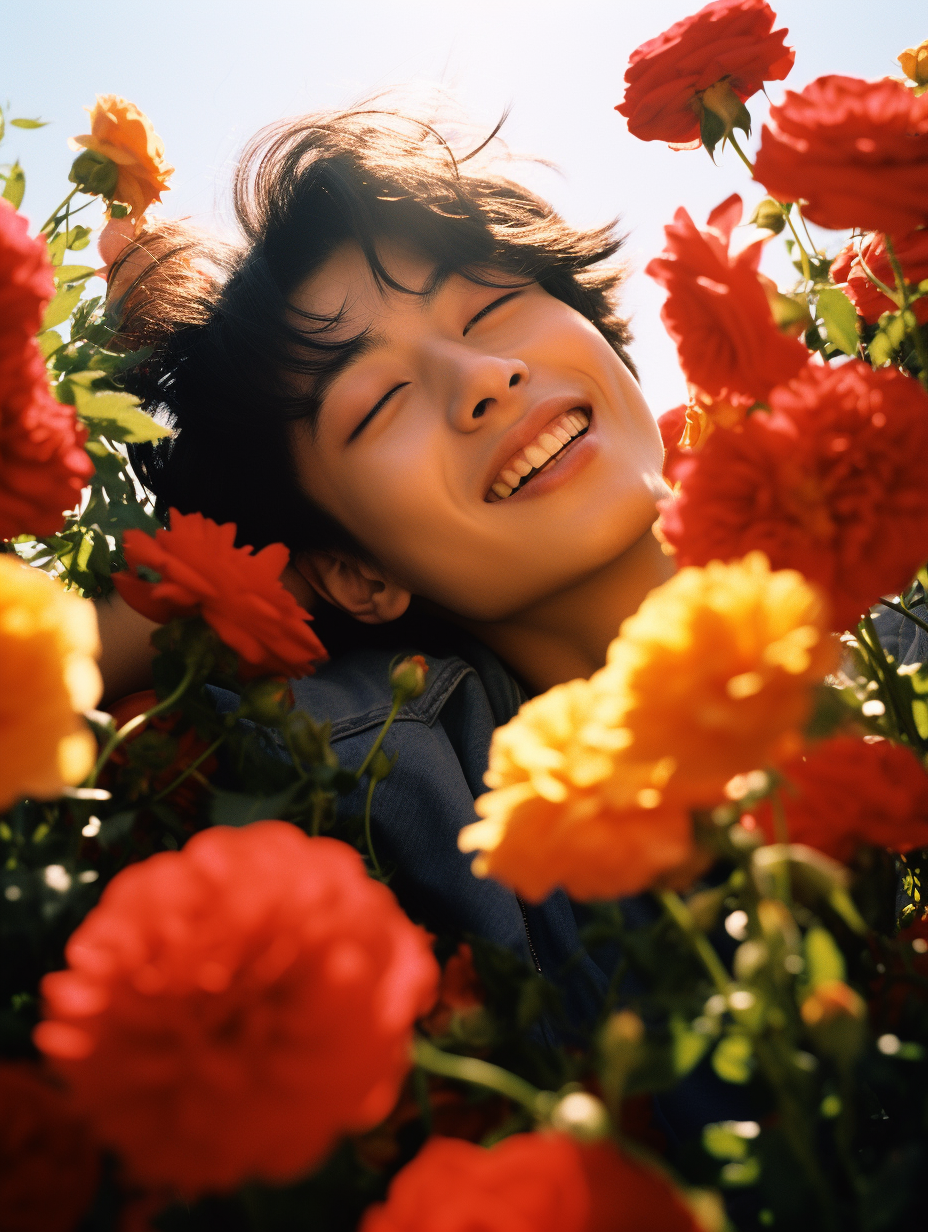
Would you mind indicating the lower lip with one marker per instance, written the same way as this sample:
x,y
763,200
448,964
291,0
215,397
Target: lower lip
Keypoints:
x,y
571,460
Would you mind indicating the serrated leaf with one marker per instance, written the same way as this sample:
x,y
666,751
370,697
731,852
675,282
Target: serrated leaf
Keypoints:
x,y
23,123
117,416
73,273
15,187
840,318
62,306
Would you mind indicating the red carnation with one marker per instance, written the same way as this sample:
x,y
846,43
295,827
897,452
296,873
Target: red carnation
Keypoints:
x,y
828,482
845,792
236,591
730,41
230,1009
848,267
49,1167
856,152
717,312
43,465
528,1183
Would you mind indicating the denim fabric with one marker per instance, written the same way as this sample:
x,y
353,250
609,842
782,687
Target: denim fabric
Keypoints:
x,y
900,637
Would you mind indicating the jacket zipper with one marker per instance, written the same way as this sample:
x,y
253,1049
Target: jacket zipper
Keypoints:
x,y
528,934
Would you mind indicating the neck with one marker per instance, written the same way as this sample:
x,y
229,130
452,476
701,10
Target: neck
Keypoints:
x,y
567,635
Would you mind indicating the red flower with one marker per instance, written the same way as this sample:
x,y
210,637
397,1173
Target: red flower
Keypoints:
x,y
43,464
848,267
240,594
828,482
731,41
49,1167
460,990
856,152
540,1182
230,1009
717,312
845,792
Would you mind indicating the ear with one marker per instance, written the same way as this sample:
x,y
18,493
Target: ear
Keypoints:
x,y
360,589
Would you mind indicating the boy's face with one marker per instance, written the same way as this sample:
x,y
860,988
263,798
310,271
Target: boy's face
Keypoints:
x,y
476,385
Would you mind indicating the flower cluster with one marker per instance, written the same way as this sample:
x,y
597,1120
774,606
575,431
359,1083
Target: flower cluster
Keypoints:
x,y
201,572
231,1008
858,264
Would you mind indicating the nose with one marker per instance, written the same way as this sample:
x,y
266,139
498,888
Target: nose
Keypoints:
x,y
486,382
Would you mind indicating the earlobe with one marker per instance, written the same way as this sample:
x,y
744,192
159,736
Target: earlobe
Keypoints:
x,y
357,588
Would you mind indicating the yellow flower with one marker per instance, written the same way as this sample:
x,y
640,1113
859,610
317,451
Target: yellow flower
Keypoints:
x,y
123,134
593,781
48,642
914,61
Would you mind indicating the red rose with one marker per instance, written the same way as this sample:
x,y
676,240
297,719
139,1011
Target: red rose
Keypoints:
x,y
845,792
49,1167
239,593
717,312
731,41
828,482
460,990
232,1008
856,152
43,465
541,1182
848,267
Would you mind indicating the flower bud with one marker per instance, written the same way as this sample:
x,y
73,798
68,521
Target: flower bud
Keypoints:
x,y
408,677
581,1115
769,216
94,173
267,700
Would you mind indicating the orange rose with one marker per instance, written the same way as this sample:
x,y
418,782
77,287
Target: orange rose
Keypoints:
x,y
122,133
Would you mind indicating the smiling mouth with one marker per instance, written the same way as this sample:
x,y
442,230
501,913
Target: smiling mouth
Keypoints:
x,y
540,454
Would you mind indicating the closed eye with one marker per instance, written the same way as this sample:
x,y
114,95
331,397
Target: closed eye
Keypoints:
x,y
374,409
503,299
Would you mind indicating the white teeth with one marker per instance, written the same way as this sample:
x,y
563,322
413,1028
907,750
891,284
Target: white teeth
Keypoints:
x,y
512,477
562,434
521,467
536,455
501,489
550,442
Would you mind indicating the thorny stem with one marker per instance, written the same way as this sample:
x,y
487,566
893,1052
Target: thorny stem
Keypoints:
x,y
194,765
482,1074
127,729
915,332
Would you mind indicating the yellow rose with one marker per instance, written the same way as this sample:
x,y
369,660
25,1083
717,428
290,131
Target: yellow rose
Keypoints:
x,y
914,61
122,133
48,676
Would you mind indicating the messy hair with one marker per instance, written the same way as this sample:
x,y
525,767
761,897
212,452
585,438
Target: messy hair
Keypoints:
x,y
228,361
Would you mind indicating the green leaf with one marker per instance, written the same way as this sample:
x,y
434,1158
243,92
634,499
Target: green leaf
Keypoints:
x,y
733,1058
56,248
840,318
62,306
49,342
15,187
721,1141
78,238
920,715
117,416
689,1047
21,123
824,961
73,273
232,808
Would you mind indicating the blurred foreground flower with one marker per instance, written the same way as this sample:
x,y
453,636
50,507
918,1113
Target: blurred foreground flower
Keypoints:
x,y
43,465
125,160
855,152
237,592
539,1182
710,62
852,262
48,677
593,781
844,792
232,1008
829,482
718,313
49,1166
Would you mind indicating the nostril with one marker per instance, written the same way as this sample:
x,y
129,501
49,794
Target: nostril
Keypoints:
x,y
481,408
515,379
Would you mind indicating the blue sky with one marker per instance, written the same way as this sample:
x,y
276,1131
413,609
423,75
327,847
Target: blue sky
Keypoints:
x,y
210,73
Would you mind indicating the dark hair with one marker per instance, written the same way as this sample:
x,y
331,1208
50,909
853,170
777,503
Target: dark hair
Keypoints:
x,y
226,352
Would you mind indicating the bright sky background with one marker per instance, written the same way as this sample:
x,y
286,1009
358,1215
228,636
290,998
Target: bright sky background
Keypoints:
x,y
211,72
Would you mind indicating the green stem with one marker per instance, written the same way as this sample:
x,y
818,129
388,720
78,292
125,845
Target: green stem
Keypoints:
x,y
805,227
194,765
784,888
741,154
55,212
681,915
887,677
118,737
367,827
904,611
360,773
481,1074
915,332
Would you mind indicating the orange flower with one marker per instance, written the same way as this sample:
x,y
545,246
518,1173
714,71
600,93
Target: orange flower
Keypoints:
x,y
48,676
542,1182
49,1168
844,792
593,781
238,593
914,63
718,313
122,133
232,1008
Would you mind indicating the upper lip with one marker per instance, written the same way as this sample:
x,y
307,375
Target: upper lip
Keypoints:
x,y
524,431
